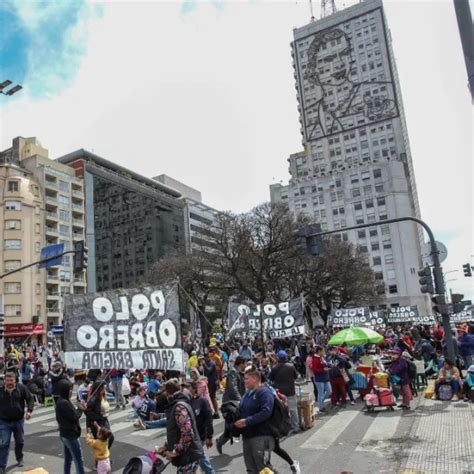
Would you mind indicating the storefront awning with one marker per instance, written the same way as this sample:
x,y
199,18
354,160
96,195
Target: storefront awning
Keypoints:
x,y
16,330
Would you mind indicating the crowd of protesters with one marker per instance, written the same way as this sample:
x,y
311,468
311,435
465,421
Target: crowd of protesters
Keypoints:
x,y
244,381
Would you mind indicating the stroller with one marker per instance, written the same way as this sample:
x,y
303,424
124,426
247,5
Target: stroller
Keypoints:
x,y
145,465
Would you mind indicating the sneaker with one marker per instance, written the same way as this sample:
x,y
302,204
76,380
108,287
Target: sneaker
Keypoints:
x,y
322,410
465,399
455,398
20,463
353,402
219,445
216,416
141,424
136,424
434,397
295,467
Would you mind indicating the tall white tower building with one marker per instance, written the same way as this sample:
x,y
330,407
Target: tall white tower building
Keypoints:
x,y
356,165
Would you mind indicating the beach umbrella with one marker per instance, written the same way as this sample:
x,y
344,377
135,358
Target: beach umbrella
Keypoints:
x,y
355,337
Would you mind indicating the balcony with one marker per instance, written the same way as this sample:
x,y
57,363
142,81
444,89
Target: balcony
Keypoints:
x,y
78,194
50,184
52,277
51,230
52,295
78,207
53,310
77,236
52,200
51,215
78,222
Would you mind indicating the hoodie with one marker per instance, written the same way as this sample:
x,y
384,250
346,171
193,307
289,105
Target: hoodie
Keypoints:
x,y
67,415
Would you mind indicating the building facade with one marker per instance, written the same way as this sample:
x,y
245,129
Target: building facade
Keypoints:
x,y
132,221
356,166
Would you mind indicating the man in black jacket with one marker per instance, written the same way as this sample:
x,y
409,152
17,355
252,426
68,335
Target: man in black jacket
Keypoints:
x,y
203,414
183,446
234,391
13,399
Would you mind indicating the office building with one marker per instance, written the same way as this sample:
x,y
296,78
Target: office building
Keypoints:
x,y
132,221
356,166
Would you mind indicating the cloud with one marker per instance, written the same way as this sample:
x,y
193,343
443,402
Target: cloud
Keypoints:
x,y
45,43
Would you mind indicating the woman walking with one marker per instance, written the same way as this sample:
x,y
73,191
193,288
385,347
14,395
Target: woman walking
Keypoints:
x,y
68,417
98,409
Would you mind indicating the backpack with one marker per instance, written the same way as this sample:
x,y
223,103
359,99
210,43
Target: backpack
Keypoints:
x,y
279,422
445,392
412,370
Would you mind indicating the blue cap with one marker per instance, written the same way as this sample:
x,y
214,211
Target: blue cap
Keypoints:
x,y
281,355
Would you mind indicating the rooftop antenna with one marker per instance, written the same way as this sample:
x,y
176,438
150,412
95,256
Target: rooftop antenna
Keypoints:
x,y
328,7
311,10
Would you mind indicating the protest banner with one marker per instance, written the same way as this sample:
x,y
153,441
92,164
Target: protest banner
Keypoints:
x,y
280,320
356,317
124,329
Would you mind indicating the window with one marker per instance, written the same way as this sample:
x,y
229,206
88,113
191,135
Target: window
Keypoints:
x,y
380,201
12,244
38,228
38,288
359,220
356,192
64,186
369,204
389,258
12,288
363,248
361,234
379,188
63,229
375,246
354,178
378,275
12,265
377,261
377,173
358,206
13,310
12,205
12,225
13,186
63,215
64,200
392,289
391,274
37,247
65,275
387,244
383,217
373,232
365,176
385,229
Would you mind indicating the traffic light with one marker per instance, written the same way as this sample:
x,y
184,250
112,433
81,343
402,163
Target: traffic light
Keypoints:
x,y
467,270
2,325
456,300
80,256
439,304
426,280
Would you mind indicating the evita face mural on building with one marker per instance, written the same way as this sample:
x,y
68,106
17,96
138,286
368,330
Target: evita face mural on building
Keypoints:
x,y
340,92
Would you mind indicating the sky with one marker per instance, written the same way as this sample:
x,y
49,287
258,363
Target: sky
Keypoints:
x,y
204,92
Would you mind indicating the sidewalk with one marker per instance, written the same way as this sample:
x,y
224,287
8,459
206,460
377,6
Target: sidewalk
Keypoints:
x,y
441,439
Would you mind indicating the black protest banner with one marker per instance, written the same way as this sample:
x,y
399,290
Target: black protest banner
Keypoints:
x,y
408,314
462,317
124,329
356,317
280,320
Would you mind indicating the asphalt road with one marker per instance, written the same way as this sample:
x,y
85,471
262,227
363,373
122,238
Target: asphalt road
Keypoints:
x,y
345,439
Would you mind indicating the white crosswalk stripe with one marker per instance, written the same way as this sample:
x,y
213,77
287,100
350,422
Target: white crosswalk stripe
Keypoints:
x,y
381,429
331,430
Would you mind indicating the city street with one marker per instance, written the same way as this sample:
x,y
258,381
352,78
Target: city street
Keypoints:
x,y
433,437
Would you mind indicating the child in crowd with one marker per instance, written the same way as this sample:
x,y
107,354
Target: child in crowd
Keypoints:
x,y
100,448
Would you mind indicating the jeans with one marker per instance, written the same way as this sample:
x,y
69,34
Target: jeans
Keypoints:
x,y
255,450
293,407
206,465
338,387
73,452
455,385
7,428
324,391
117,388
156,424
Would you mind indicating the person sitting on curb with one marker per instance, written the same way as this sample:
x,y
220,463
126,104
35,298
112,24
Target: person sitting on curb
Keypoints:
x,y
468,386
448,375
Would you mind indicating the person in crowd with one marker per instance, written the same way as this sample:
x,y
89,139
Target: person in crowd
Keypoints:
x,y
448,375
97,411
202,387
233,354
234,390
320,369
400,369
183,446
466,345
83,390
203,415
116,377
193,361
100,444
245,351
155,383
423,348
12,365
337,364
56,374
216,357
256,408
210,371
68,418
49,354
283,377
14,399
148,415
139,399
27,370
468,385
